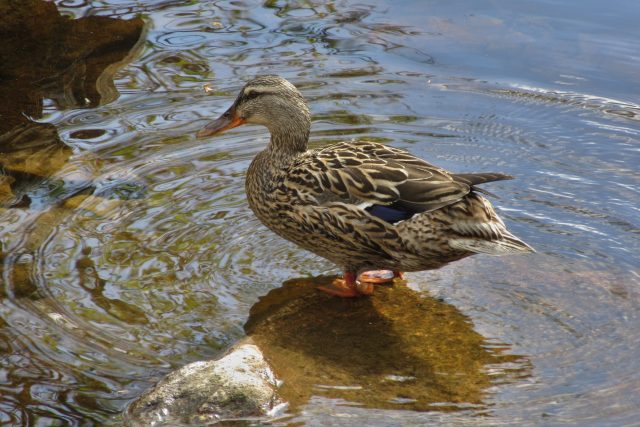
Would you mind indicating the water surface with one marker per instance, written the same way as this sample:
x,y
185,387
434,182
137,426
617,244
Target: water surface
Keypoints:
x,y
134,251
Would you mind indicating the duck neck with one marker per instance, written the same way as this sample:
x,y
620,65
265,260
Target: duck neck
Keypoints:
x,y
290,138
286,145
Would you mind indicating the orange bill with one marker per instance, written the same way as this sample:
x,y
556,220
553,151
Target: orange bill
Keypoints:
x,y
226,121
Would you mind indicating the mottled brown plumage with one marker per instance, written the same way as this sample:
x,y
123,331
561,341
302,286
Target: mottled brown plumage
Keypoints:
x,y
361,205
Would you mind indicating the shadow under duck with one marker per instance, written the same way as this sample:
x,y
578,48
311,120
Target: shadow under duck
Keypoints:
x,y
361,205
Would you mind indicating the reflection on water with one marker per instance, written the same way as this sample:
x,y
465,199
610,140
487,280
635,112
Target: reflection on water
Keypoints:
x,y
68,63
127,247
397,350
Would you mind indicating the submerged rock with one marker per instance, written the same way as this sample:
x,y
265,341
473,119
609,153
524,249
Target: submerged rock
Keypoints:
x,y
239,385
398,349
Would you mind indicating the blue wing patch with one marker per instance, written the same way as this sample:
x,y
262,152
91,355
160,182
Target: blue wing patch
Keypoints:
x,y
390,213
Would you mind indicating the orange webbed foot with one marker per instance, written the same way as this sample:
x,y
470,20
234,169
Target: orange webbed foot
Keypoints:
x,y
347,287
380,276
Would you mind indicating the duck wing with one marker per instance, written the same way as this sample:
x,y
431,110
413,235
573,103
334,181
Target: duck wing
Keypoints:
x,y
391,183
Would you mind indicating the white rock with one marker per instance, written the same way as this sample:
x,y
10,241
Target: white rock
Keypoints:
x,y
239,385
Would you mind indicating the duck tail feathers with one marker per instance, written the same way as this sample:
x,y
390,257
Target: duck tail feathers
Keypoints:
x,y
507,244
472,179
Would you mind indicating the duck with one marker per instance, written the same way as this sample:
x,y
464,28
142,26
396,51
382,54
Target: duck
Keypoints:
x,y
374,210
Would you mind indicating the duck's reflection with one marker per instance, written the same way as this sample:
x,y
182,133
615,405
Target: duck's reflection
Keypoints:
x,y
398,349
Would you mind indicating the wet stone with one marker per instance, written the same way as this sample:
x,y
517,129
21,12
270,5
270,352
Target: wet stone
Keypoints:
x,y
238,386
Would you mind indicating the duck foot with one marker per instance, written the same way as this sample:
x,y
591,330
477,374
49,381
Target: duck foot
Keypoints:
x,y
347,287
380,276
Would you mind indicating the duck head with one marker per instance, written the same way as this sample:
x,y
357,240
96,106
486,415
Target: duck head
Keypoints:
x,y
270,101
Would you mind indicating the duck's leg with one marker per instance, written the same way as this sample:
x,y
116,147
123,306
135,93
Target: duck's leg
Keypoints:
x,y
347,287
380,276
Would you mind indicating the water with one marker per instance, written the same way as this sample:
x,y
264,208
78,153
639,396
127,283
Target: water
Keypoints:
x,y
132,250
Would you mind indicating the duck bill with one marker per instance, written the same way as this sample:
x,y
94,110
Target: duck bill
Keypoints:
x,y
226,121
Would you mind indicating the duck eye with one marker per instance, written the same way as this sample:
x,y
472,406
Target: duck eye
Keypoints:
x,y
251,94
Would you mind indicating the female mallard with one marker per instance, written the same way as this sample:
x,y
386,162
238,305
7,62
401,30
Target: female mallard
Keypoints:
x,y
361,205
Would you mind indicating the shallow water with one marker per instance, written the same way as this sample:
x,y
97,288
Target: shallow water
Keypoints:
x,y
135,252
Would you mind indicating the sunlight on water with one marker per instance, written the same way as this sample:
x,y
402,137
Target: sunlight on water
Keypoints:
x,y
128,249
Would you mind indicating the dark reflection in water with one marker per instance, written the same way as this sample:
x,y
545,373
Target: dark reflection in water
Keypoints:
x,y
397,350
69,63
127,247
